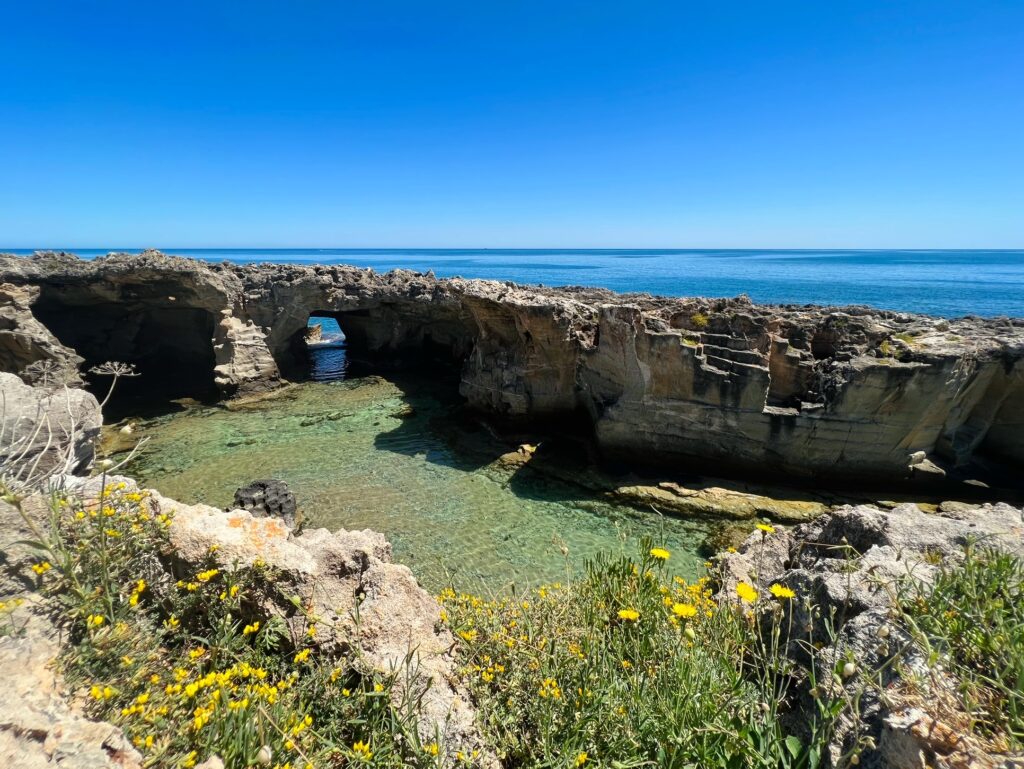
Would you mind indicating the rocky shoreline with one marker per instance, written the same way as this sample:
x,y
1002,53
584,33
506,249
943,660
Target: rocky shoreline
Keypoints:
x,y
846,563
784,391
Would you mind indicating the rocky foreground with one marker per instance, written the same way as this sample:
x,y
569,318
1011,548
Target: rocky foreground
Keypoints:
x,y
845,567
800,391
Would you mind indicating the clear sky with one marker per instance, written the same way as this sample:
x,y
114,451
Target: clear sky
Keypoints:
x,y
547,123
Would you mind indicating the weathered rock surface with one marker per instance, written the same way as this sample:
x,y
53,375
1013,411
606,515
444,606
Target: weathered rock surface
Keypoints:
x,y
340,577
38,727
269,498
809,391
24,340
849,564
45,429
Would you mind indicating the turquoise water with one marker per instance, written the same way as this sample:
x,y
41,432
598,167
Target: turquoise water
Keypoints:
x,y
938,282
398,457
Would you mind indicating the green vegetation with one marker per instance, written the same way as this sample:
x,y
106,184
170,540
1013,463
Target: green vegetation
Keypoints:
x,y
973,621
185,669
627,667
699,320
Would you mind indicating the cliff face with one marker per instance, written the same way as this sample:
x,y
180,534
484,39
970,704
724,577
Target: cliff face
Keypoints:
x,y
806,391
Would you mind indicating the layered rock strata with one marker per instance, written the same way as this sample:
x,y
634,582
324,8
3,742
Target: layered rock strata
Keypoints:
x,y
792,390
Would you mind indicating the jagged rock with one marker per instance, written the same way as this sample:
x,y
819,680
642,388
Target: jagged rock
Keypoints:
x,y
37,726
797,390
911,739
335,576
45,429
270,498
848,564
24,340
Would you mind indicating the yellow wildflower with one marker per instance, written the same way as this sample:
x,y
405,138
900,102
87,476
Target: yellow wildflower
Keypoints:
x,y
767,528
581,759
41,568
250,629
684,610
781,592
661,554
302,656
362,751
746,592
630,615
95,620
431,749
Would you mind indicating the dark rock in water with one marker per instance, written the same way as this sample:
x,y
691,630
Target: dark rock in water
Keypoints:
x,y
268,498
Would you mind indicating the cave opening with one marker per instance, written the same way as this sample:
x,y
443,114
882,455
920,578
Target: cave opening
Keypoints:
x,y
171,347
339,345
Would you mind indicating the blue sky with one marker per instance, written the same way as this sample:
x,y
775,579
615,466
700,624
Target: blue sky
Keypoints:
x,y
515,124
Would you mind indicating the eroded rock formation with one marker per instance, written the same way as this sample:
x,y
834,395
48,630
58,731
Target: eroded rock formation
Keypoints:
x,y
846,568
801,391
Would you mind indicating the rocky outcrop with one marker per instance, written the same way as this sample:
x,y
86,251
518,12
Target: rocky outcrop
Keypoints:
x,y
270,498
25,341
799,391
346,581
365,608
45,430
846,569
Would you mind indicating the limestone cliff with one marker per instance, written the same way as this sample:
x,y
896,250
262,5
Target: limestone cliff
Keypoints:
x,y
798,390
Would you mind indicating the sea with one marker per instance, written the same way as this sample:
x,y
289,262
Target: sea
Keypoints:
x,y
947,283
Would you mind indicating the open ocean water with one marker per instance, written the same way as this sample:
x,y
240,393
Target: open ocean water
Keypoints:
x,y
938,282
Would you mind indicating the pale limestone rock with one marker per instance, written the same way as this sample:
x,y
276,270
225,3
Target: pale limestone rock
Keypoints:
x,y
24,340
850,562
336,577
37,726
792,390
46,429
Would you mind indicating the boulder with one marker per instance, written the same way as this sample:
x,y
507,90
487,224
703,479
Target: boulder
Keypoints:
x,y
45,430
269,498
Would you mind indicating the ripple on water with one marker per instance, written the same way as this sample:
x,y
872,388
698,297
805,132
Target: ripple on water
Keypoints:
x,y
355,458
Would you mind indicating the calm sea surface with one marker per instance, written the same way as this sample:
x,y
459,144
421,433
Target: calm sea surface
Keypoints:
x,y
940,282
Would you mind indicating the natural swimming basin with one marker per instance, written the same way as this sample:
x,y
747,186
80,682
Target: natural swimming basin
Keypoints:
x,y
393,456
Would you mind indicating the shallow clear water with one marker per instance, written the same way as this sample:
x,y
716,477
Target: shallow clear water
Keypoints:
x,y
940,282
367,454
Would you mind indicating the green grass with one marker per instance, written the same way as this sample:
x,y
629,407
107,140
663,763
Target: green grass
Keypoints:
x,y
973,621
199,666
626,667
